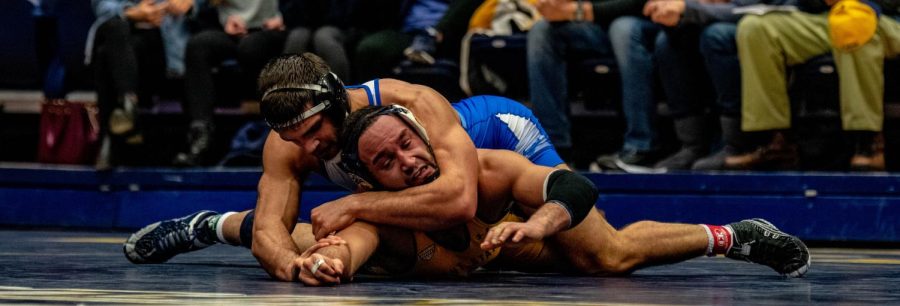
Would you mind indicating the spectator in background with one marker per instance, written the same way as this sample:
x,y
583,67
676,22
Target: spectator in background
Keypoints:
x,y
133,46
423,31
714,26
252,31
685,82
320,27
574,30
857,36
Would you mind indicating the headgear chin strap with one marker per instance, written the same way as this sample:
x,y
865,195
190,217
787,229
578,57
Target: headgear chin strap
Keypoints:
x,y
350,161
328,91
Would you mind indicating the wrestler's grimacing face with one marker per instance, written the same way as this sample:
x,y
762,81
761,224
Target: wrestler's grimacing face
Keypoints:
x,y
395,154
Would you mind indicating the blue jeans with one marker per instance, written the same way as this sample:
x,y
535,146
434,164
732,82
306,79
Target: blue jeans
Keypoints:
x,y
683,76
632,40
549,46
719,50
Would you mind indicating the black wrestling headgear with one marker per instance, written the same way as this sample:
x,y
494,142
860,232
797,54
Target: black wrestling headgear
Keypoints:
x,y
329,95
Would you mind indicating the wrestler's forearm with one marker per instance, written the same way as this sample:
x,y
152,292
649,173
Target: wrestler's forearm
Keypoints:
x,y
434,206
275,251
361,240
552,218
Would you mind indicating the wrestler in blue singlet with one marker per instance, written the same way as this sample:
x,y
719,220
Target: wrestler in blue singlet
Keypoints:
x,y
495,123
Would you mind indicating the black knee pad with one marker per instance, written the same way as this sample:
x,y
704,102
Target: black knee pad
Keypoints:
x,y
247,230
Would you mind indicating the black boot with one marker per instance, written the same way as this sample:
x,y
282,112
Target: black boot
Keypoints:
x,y
199,142
780,153
868,154
694,136
731,136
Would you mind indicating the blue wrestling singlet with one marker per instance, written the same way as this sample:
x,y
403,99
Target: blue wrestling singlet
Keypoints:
x,y
495,123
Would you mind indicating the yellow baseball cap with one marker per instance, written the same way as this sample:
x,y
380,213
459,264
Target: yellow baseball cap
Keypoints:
x,y
851,23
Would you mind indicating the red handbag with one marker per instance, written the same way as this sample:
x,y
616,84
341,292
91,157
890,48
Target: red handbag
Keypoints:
x,y
69,133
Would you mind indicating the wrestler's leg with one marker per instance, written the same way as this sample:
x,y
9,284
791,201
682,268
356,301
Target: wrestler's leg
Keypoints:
x,y
595,247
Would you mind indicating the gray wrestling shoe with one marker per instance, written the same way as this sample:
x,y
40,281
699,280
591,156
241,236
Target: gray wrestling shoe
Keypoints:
x,y
160,241
758,241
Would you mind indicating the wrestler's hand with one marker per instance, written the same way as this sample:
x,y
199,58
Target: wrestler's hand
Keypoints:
x,y
333,240
331,217
317,269
512,233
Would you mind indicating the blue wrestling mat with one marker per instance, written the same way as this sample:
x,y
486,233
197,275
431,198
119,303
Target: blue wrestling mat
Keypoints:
x,y
88,268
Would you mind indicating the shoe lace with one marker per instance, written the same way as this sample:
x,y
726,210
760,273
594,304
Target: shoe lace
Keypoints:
x,y
172,238
776,252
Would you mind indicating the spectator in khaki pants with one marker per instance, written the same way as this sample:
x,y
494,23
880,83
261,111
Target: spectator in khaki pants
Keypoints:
x,y
769,43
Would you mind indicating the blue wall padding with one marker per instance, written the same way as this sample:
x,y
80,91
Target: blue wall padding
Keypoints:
x,y
825,207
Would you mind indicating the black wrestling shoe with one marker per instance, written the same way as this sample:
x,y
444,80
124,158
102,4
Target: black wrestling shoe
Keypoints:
x,y
758,241
160,241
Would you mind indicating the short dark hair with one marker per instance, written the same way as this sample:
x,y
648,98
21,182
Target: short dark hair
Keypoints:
x,y
289,70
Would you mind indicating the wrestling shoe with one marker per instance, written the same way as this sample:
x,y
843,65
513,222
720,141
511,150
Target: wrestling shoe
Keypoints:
x,y
758,241
160,241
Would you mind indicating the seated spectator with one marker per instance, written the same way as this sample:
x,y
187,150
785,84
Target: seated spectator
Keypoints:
x,y
859,44
699,35
252,31
133,47
320,27
423,31
570,32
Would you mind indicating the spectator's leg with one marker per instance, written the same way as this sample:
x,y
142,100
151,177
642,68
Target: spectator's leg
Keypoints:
x,y
766,45
148,46
687,94
861,74
632,40
115,66
329,42
297,41
719,51
548,48
377,54
255,50
204,51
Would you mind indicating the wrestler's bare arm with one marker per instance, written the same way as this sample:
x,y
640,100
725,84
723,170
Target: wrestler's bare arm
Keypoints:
x,y
277,207
361,240
511,173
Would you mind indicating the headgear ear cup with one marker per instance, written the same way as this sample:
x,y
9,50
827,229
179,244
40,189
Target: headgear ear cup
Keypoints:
x,y
337,94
